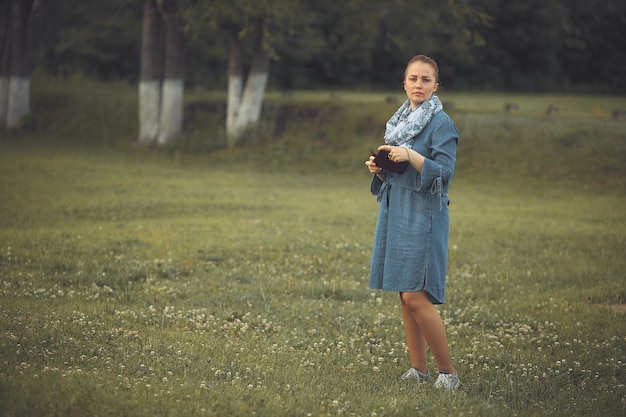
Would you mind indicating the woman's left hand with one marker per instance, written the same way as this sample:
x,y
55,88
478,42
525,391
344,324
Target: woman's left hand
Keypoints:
x,y
396,153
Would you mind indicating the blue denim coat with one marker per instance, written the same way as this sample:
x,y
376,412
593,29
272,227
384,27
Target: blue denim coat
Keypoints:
x,y
410,250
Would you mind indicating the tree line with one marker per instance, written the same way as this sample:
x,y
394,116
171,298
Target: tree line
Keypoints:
x,y
245,46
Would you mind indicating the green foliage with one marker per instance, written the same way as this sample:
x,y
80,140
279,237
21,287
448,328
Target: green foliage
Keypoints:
x,y
272,23
594,46
99,39
538,45
210,282
535,30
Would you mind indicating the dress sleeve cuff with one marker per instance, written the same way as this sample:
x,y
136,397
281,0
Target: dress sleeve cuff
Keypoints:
x,y
376,185
430,172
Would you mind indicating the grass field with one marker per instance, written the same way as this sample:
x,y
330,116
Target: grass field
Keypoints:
x,y
203,281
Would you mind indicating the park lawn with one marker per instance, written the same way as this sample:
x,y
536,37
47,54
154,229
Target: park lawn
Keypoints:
x,y
228,282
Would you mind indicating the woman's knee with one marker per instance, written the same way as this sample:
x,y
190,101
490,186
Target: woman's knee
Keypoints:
x,y
415,300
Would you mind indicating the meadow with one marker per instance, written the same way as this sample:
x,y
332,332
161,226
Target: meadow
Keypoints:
x,y
205,281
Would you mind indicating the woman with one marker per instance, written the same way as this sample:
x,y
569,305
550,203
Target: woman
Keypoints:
x,y
410,250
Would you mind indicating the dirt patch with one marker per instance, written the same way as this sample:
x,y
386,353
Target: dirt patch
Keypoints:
x,y
619,308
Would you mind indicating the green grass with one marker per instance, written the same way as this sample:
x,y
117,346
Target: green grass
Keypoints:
x,y
205,281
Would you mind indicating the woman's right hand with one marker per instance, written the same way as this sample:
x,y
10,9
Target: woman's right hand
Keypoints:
x,y
371,165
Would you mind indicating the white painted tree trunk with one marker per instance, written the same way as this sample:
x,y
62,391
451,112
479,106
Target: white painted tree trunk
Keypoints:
x,y
149,110
235,89
171,124
14,101
15,64
244,108
172,89
252,101
19,101
151,74
235,86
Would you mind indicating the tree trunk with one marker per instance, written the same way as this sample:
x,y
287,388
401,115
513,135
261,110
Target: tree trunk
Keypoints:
x,y
151,74
244,110
161,88
15,65
235,88
252,101
173,88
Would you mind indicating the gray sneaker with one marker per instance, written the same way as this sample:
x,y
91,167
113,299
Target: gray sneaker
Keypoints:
x,y
447,381
414,374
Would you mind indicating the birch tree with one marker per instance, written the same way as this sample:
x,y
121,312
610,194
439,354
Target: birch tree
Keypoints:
x,y
15,63
161,89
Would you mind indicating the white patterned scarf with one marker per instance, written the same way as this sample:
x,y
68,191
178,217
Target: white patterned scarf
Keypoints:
x,y
405,124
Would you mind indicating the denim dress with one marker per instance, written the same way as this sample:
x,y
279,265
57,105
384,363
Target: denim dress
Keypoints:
x,y
410,251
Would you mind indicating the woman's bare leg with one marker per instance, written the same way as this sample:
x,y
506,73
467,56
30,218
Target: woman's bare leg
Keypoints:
x,y
414,340
429,323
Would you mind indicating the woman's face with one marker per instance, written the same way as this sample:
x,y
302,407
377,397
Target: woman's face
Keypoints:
x,y
420,82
